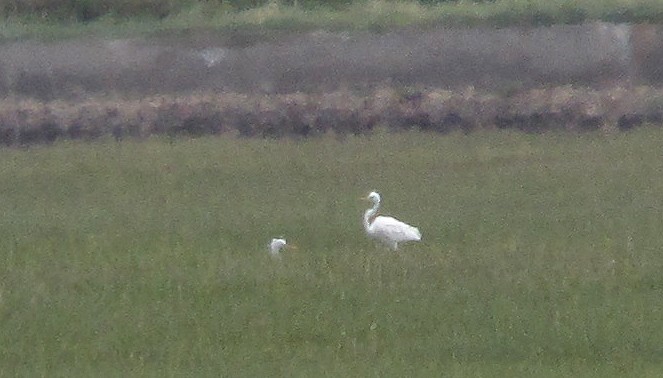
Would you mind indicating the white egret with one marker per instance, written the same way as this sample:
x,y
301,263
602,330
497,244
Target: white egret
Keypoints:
x,y
277,244
388,230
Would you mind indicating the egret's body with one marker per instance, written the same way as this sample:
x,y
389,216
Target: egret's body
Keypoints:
x,y
388,230
276,246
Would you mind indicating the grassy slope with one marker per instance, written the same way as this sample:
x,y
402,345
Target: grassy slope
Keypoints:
x,y
377,15
541,257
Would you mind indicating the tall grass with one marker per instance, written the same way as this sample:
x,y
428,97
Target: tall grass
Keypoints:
x,y
541,256
60,19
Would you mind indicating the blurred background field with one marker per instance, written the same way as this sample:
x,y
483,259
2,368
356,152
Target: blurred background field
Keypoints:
x,y
541,256
138,16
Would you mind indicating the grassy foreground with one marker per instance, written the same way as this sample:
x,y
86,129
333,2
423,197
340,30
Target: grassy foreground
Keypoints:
x,y
541,256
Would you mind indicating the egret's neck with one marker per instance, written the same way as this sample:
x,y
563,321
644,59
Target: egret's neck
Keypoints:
x,y
369,214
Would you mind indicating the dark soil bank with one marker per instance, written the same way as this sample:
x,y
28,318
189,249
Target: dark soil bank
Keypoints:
x,y
25,122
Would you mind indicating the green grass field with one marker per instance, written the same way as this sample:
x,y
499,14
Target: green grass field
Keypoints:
x,y
541,256
48,20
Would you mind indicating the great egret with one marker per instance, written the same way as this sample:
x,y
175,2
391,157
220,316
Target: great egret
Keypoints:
x,y
388,230
277,244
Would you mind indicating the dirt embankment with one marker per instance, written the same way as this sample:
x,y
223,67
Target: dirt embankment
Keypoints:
x,y
579,77
25,122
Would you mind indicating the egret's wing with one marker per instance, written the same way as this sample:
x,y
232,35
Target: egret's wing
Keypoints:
x,y
395,230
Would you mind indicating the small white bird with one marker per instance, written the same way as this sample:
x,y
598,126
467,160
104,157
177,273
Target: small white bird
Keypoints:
x,y
277,244
388,230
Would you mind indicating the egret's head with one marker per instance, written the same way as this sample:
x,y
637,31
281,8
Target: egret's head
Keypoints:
x,y
276,245
374,197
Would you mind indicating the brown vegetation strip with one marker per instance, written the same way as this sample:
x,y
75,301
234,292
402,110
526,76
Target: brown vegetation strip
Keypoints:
x,y
27,121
